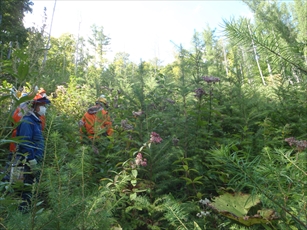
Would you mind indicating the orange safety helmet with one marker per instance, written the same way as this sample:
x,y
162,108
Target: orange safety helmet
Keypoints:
x,y
42,91
39,98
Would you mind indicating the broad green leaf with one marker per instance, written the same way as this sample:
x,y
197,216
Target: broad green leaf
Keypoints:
x,y
132,196
193,170
238,203
197,178
133,182
236,206
188,180
134,173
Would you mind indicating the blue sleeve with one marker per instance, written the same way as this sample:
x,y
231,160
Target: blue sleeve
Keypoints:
x,y
25,131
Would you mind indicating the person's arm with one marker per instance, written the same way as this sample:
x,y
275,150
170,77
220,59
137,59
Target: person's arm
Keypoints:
x,y
25,131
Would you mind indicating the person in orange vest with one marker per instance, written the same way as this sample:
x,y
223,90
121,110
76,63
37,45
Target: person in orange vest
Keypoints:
x,y
17,115
20,111
96,121
95,129
32,148
42,92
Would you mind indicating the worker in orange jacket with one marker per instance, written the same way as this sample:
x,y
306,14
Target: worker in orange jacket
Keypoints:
x,y
20,111
17,115
96,121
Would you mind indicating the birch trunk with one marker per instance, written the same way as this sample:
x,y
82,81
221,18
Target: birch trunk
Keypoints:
x,y
256,57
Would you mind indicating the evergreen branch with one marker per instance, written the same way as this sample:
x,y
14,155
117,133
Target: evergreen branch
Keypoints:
x,y
295,165
169,207
282,57
3,226
239,32
58,215
241,166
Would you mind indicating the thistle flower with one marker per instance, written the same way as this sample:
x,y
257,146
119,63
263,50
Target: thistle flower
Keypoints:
x,y
155,138
210,79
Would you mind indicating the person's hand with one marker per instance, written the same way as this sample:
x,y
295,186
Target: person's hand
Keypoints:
x,y
81,123
33,165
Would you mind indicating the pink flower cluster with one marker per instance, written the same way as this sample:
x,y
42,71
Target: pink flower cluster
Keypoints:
x,y
140,161
300,145
155,138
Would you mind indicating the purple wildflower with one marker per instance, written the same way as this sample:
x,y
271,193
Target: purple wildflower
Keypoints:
x,y
125,125
299,144
144,162
199,92
155,138
140,161
290,140
210,79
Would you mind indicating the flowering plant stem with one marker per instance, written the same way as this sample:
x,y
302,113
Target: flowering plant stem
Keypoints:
x,y
210,108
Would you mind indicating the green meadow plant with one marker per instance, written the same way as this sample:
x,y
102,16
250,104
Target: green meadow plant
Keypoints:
x,y
276,176
197,144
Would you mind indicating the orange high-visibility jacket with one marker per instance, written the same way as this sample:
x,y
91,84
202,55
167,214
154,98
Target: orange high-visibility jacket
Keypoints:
x,y
17,115
96,122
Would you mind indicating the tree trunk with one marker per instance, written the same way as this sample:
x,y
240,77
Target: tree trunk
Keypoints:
x,y
47,46
256,57
225,58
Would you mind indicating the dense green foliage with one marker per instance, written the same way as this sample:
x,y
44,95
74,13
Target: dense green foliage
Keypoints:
x,y
12,31
225,109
